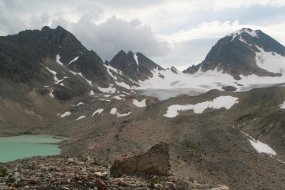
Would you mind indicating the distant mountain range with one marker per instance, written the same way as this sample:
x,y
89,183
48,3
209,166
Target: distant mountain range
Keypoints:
x,y
37,57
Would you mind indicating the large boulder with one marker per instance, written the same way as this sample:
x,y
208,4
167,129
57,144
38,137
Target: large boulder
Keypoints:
x,y
154,162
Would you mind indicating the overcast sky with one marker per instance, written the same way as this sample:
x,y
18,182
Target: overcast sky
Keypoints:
x,y
171,32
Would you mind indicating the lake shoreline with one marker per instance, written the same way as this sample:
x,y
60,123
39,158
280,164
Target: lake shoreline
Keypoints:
x,y
17,147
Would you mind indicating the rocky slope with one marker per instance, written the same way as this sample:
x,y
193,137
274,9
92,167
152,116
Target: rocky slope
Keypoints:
x,y
207,145
85,173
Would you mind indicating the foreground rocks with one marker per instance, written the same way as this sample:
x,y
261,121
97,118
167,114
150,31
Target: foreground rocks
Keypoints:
x,y
153,162
58,173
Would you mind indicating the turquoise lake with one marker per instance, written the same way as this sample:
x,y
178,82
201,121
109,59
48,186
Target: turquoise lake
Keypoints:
x,y
24,146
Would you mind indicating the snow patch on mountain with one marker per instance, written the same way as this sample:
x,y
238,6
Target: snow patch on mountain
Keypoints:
x,y
118,97
114,111
136,59
98,111
110,68
92,93
80,74
139,104
219,102
54,76
65,114
123,114
81,117
282,106
270,61
51,94
73,60
79,103
110,89
88,81
259,146
122,84
58,59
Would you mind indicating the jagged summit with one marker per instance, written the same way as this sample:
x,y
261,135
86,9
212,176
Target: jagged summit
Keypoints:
x,y
245,32
240,53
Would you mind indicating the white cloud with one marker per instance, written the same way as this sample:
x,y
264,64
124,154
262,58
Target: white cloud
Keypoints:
x,y
109,37
187,53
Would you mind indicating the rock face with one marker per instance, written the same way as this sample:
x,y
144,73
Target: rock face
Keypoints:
x,y
153,162
235,54
134,65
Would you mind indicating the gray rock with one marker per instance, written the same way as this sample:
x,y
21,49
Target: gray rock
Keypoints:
x,y
153,162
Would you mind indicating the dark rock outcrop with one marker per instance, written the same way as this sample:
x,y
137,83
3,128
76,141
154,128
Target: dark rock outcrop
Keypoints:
x,y
154,162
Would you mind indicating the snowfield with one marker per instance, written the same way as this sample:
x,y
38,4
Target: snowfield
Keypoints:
x,y
219,102
139,104
201,82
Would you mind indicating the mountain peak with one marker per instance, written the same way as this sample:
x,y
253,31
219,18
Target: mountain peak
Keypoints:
x,y
134,65
236,54
45,28
244,32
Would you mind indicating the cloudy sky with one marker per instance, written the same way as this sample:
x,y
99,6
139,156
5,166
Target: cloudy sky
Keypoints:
x,y
172,32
